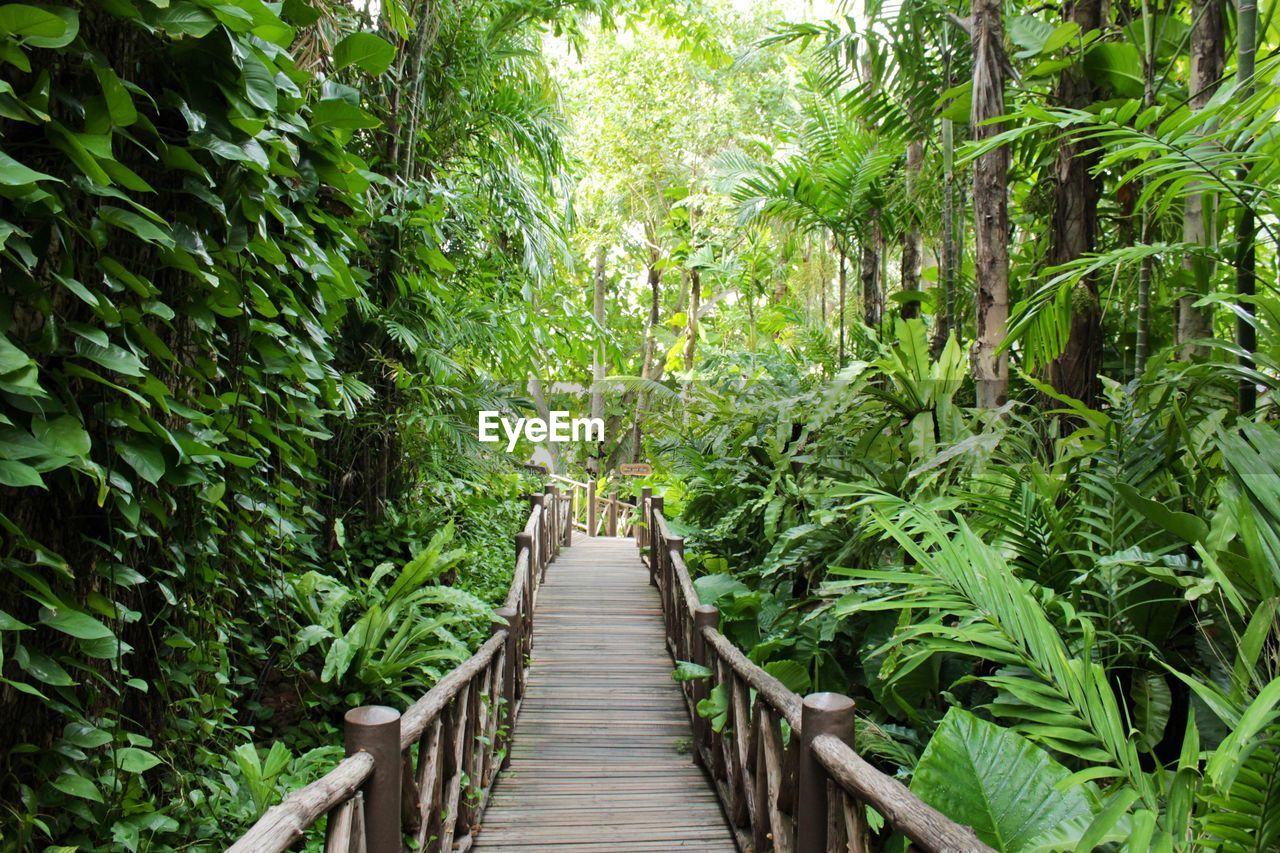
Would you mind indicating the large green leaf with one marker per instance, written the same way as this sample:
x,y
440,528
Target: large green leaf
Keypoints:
x,y
119,103
259,84
689,671
18,474
337,660
145,458
1185,526
715,707
131,759
39,26
80,625
184,19
1118,66
1029,33
792,674
43,668
63,436
371,53
129,221
713,589
12,358
1037,37
1152,701
337,113
995,781
111,357
14,174
78,786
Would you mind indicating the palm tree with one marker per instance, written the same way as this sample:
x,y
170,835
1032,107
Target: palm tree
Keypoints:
x,y
833,182
1075,220
990,207
1208,45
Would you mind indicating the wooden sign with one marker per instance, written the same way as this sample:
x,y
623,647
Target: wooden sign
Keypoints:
x,y
635,469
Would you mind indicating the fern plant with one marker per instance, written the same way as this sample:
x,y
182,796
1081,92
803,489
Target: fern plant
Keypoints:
x,y
391,640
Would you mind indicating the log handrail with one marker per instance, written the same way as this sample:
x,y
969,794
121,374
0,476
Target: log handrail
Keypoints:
x,y
427,773
806,792
782,765
903,810
422,713
284,825
596,514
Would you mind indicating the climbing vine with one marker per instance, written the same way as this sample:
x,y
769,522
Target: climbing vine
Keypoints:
x,y
233,346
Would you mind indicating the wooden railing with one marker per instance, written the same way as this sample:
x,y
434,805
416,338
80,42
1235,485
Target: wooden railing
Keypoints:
x,y
426,774
594,514
802,788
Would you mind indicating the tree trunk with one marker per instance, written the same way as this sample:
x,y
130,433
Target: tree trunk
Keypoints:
x,y
912,243
872,289
538,395
945,312
843,283
648,368
1208,57
822,289
1246,246
780,287
655,314
1142,342
597,357
1075,218
945,321
683,297
691,328
990,208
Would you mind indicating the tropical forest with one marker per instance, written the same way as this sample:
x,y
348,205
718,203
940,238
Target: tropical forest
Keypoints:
x,y
933,350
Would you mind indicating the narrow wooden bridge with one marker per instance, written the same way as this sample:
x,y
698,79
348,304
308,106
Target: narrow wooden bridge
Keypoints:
x,y
568,730
602,756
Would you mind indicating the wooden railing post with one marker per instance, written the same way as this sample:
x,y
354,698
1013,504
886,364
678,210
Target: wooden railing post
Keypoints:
x,y
613,512
549,520
571,500
820,714
375,729
512,665
535,554
667,589
524,542
550,506
642,522
593,516
704,616
544,545
656,555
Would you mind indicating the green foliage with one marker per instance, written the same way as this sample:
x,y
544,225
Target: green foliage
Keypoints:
x,y
245,316
997,782
1087,582
235,789
1052,574
260,263
387,639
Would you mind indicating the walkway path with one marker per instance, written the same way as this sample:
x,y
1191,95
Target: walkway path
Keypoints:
x,y
603,758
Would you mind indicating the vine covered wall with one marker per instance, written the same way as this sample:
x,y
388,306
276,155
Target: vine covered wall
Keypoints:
x,y
206,233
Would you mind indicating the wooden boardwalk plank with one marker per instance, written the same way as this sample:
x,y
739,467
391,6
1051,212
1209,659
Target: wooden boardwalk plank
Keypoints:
x,y
602,756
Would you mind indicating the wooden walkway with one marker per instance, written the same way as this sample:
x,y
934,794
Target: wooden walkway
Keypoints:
x,y
603,759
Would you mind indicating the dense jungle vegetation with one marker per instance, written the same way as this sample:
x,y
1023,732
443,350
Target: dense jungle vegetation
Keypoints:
x,y
951,330
260,264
